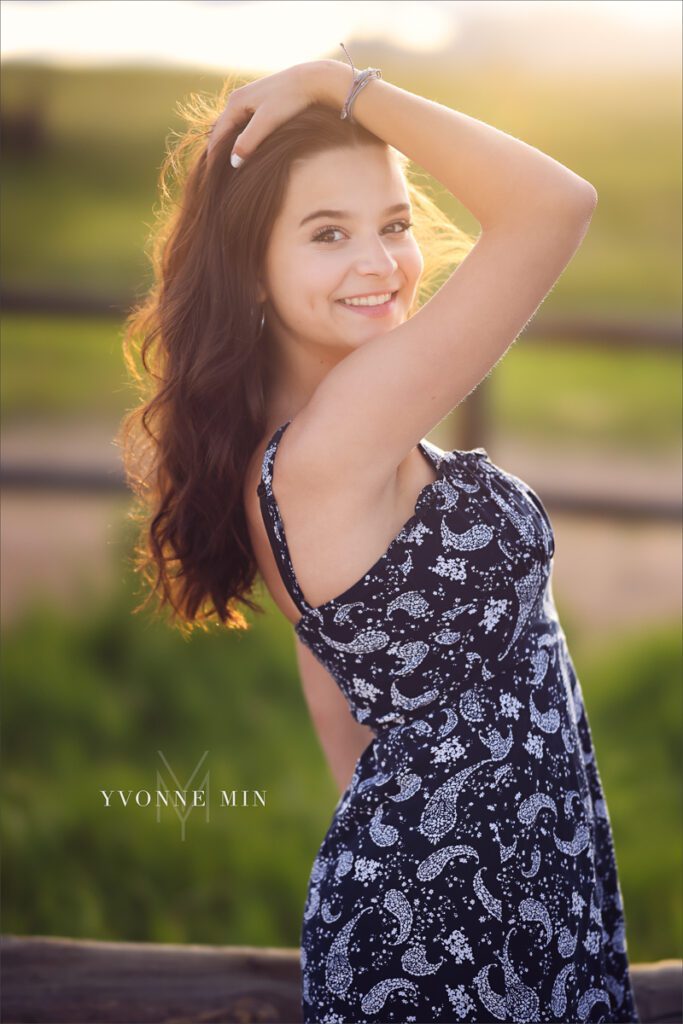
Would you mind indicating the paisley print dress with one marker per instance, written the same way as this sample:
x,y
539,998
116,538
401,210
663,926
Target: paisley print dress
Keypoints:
x,y
468,872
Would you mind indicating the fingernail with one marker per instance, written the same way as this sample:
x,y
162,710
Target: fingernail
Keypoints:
x,y
236,160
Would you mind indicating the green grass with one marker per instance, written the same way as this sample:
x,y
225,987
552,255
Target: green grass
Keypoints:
x,y
61,366
628,399
87,706
634,704
77,220
89,701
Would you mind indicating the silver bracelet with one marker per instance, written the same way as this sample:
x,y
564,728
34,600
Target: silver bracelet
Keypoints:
x,y
360,80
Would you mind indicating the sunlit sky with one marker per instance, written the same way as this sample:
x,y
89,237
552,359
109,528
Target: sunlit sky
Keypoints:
x,y
267,35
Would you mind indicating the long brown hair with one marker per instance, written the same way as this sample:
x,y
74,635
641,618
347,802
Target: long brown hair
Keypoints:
x,y
198,363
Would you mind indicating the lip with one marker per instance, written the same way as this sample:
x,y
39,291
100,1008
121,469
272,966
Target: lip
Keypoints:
x,y
371,311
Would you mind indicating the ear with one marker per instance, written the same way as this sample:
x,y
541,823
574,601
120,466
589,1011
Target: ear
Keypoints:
x,y
261,293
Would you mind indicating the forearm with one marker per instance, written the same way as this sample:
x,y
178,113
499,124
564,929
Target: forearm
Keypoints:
x,y
497,177
342,738
342,752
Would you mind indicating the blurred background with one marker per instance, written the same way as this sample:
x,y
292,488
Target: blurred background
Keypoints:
x,y
586,407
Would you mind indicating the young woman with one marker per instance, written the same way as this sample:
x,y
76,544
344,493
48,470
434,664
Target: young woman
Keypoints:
x,y
468,872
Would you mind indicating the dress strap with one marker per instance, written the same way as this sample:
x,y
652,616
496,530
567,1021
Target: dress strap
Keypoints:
x,y
274,525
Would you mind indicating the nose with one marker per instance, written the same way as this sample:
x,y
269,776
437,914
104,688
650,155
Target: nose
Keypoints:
x,y
374,258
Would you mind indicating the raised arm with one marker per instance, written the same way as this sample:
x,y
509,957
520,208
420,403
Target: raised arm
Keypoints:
x,y
534,213
342,738
499,178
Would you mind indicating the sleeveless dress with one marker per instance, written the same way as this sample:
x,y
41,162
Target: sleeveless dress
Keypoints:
x,y
468,872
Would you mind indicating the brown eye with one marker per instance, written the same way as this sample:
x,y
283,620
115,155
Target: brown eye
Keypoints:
x,y
405,224
320,237
326,231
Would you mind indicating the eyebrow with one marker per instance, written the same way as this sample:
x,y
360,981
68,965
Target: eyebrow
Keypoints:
x,y
344,214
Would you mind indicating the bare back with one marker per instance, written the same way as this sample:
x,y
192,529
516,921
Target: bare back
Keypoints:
x,y
365,519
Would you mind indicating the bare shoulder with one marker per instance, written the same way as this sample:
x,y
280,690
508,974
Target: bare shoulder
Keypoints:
x,y
335,525
298,476
317,465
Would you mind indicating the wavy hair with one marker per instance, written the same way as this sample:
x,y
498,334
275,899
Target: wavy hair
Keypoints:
x,y
196,362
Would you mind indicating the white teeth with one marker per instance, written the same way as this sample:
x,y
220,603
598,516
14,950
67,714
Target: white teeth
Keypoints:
x,y
370,300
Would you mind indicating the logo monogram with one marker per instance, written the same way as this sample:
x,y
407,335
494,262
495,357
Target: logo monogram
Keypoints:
x,y
203,786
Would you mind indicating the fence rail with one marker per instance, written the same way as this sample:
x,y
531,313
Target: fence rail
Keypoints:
x,y
65,479
661,334
54,980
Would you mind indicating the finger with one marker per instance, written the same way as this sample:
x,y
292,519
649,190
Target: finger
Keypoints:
x,y
233,114
261,124
222,127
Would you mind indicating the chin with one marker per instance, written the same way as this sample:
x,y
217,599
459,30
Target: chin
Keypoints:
x,y
359,342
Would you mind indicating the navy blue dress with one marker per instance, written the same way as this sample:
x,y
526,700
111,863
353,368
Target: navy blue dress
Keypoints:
x,y
468,872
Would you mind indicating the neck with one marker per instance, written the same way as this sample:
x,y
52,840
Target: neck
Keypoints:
x,y
298,368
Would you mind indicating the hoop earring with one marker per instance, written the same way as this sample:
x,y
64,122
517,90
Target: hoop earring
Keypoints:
x,y
263,321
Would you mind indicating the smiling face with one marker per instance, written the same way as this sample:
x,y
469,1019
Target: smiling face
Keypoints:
x,y
361,245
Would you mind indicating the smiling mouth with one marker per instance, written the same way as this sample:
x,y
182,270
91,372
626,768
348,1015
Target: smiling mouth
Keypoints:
x,y
368,305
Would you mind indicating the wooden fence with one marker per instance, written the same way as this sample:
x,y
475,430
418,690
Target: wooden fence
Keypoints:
x,y
53,980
